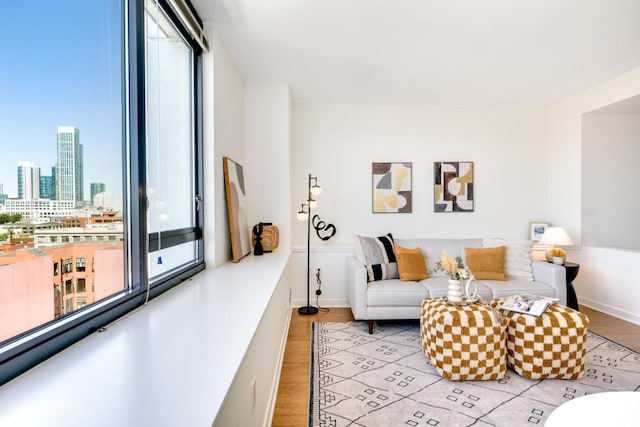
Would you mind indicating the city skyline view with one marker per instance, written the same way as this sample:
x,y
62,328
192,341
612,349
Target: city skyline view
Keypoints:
x,y
44,87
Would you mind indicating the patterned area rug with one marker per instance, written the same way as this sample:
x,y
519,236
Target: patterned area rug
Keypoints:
x,y
384,379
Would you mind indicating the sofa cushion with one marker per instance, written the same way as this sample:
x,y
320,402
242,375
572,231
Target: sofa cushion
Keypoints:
x,y
411,264
517,287
395,293
486,263
437,286
432,250
378,256
517,257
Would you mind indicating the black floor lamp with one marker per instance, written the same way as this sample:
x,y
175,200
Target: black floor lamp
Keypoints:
x,y
314,190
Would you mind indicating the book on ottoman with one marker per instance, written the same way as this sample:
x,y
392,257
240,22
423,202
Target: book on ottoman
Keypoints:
x,y
528,304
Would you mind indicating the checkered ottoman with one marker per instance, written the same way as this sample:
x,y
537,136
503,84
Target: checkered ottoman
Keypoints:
x,y
463,342
548,346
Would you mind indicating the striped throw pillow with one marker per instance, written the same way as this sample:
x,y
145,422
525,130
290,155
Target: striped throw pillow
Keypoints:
x,y
378,256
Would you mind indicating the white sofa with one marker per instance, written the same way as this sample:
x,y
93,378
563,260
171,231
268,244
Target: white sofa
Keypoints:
x,y
396,299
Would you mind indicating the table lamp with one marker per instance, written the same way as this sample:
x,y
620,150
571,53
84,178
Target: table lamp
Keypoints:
x,y
556,236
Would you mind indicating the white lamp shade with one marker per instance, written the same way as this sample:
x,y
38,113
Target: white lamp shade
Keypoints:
x,y
555,236
302,216
316,190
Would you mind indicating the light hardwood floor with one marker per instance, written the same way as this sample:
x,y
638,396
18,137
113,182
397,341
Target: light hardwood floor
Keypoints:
x,y
292,404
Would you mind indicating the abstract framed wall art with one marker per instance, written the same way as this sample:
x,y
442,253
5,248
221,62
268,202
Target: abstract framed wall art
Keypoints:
x,y
391,187
236,208
453,187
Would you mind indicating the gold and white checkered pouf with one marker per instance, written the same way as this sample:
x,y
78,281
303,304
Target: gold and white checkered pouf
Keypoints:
x,y
463,342
548,346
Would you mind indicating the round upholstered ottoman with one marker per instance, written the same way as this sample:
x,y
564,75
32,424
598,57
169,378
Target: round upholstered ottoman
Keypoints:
x,y
547,346
463,342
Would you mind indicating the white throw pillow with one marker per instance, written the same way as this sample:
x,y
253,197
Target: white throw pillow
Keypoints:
x,y
517,258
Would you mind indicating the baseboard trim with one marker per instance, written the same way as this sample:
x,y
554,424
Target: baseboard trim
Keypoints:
x,y
610,310
324,302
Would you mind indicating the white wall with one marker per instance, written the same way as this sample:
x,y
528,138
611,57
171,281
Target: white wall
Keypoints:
x,y
226,138
250,123
268,145
338,143
252,126
610,202
609,280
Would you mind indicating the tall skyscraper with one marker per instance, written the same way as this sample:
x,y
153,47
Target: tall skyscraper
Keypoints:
x,y
28,181
96,187
69,178
54,196
3,196
47,190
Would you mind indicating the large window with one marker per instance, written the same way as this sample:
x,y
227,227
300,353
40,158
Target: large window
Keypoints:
x,y
173,196
104,118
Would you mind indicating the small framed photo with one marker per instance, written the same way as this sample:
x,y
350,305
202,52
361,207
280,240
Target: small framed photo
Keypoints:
x,y
537,229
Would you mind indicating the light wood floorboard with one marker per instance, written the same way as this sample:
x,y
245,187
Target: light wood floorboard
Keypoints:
x,y
292,404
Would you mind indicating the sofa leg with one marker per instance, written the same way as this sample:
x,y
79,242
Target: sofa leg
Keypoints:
x,y
370,327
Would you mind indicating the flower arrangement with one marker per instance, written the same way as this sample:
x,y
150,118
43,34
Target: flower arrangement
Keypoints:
x,y
454,267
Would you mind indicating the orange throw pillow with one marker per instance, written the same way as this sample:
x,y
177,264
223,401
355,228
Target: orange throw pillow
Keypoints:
x,y
411,264
486,263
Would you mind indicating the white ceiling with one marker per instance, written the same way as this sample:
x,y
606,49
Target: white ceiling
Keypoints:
x,y
429,51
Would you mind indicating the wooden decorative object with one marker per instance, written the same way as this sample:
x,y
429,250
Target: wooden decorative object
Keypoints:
x,y
270,236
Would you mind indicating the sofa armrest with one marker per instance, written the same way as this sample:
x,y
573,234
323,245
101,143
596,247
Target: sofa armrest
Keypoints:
x,y
553,275
356,282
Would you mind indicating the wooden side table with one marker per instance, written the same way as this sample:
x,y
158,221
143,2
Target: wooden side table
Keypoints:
x,y
571,269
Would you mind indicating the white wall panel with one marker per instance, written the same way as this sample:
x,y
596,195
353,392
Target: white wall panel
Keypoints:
x,y
338,143
228,140
608,278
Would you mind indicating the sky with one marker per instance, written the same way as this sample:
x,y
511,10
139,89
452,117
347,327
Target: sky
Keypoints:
x,y
61,65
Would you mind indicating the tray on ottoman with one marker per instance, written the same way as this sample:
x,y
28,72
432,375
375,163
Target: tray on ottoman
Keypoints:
x,y
547,346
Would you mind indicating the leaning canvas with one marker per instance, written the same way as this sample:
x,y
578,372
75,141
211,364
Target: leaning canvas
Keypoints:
x,y
237,209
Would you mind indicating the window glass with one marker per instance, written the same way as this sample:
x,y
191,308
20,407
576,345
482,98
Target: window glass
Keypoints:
x,y
81,302
68,287
172,258
170,141
61,110
80,264
81,286
68,305
79,111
